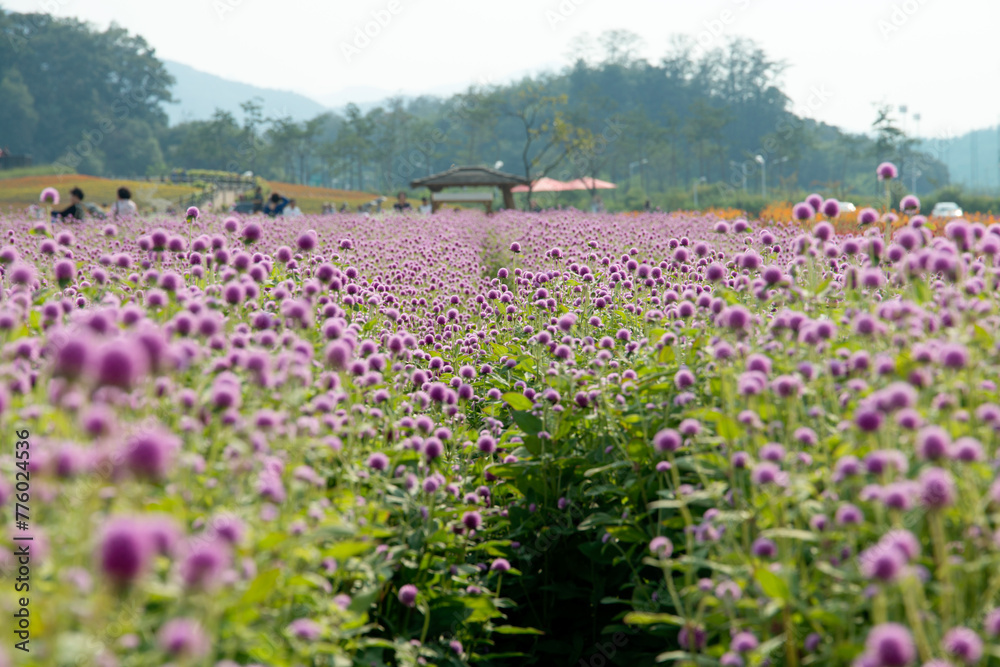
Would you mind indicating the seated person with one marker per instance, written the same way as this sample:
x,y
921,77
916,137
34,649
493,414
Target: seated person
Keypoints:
x,y
275,205
75,210
124,206
292,210
401,203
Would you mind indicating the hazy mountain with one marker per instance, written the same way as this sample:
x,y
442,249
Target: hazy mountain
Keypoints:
x,y
198,94
973,159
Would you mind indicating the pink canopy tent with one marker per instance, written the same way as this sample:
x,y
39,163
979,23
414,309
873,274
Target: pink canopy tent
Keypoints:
x,y
587,183
545,184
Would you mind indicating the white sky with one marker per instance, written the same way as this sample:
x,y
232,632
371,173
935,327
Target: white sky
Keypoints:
x,y
938,57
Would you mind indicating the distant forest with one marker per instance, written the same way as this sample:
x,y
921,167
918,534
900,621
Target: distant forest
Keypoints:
x,y
92,101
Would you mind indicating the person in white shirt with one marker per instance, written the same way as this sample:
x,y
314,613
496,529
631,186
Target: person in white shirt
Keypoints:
x,y
425,208
124,206
292,210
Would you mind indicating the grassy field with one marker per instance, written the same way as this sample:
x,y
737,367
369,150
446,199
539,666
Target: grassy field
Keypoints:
x,y
311,199
22,190
18,193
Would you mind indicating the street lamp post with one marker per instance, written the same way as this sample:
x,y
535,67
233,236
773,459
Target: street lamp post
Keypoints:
x,y
633,165
695,189
762,161
743,172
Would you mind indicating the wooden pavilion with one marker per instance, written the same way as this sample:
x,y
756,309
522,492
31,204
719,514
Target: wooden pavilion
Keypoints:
x,y
473,177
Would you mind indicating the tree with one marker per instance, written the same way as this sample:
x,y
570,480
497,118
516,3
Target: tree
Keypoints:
x,y
18,117
548,136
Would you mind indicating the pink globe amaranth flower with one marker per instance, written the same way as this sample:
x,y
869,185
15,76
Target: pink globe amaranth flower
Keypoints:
x,y
890,645
803,211
203,565
125,550
193,213
149,455
964,644
991,624
378,461
667,440
910,204
887,171
472,520
744,642
937,488
408,595
183,638
500,565
305,629
661,547
867,216
50,195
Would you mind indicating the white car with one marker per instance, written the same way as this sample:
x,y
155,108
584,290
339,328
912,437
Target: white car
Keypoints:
x,y
946,209
848,207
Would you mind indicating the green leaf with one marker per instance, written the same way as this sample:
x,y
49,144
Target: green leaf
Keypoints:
x,y
517,401
666,355
789,533
773,586
527,422
343,550
648,618
610,466
513,630
261,587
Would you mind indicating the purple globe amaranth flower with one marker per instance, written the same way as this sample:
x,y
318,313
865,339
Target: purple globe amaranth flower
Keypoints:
x,y
251,233
149,454
867,216
408,595
881,562
500,565
933,443
305,629
991,624
909,204
183,638
890,645
744,642
764,548
661,547
472,520
49,195
125,550
203,565
193,213
937,488
887,171
803,211
964,644
667,440
378,461
692,638
831,208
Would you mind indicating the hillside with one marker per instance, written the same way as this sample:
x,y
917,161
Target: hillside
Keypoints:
x,y
19,193
198,94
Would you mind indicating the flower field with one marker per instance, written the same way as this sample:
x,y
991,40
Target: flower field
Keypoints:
x,y
552,439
